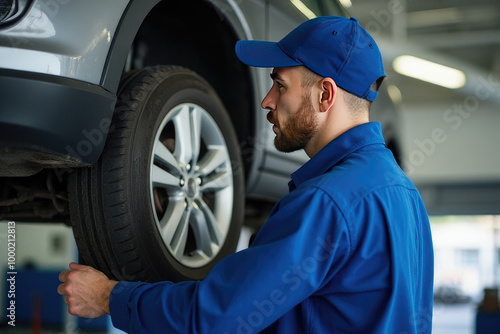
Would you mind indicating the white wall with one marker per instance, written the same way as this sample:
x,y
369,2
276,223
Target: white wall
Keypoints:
x,y
452,141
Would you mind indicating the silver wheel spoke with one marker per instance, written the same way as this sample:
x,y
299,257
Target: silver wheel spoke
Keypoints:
x,y
215,157
195,134
216,182
162,179
211,222
183,144
163,155
172,218
178,242
201,232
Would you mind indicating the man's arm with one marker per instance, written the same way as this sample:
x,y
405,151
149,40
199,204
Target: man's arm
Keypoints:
x,y
87,291
302,245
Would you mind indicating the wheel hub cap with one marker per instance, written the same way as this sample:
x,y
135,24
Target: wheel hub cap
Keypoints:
x,y
192,188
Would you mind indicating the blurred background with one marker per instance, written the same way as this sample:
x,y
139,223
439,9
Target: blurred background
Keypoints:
x,y
443,64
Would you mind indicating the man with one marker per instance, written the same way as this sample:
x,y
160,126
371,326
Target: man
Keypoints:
x,y
348,250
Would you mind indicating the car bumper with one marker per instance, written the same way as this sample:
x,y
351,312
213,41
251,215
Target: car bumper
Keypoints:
x,y
50,122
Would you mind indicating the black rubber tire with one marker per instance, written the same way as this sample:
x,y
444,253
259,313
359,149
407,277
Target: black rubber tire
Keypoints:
x,y
110,203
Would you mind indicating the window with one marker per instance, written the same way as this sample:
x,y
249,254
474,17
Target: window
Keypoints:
x,y
467,257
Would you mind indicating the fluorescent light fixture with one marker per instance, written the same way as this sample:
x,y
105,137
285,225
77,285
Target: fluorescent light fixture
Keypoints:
x,y
425,70
303,9
395,94
346,3
434,17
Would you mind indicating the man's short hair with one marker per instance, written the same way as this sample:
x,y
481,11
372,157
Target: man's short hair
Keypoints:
x,y
309,78
355,103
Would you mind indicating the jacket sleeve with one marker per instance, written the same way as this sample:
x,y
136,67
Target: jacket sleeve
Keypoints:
x,y
302,245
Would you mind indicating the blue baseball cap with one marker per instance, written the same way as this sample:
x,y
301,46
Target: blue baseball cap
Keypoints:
x,y
330,46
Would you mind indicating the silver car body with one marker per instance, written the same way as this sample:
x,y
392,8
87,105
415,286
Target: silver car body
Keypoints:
x,y
87,41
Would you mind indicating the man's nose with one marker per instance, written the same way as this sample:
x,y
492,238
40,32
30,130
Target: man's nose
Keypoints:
x,y
268,102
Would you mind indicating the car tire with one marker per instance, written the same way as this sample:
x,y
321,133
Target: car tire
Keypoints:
x,y
165,201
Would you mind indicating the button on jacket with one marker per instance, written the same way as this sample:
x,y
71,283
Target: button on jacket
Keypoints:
x,y
348,250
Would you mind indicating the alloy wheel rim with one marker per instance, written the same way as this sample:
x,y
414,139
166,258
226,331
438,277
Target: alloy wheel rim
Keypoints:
x,y
191,185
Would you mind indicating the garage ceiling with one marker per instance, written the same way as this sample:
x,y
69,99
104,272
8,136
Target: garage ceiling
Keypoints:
x,y
465,32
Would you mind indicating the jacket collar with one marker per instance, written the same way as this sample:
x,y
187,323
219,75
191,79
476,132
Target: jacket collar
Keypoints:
x,y
330,155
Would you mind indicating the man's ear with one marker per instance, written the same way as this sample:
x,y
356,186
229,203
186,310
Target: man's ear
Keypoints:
x,y
329,91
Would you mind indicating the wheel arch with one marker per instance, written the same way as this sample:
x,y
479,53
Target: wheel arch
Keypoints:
x,y
197,34
131,20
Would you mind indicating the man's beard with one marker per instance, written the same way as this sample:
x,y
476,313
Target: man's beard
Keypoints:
x,y
298,129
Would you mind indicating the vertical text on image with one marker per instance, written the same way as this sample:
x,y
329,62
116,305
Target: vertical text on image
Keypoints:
x,y
11,273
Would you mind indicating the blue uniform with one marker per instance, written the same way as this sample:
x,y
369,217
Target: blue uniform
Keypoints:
x,y
348,250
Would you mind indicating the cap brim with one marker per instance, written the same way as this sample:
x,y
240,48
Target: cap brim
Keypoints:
x,y
263,54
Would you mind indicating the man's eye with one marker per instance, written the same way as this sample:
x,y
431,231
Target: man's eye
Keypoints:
x,y
279,85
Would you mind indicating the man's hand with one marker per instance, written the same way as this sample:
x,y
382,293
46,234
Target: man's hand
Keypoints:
x,y
87,291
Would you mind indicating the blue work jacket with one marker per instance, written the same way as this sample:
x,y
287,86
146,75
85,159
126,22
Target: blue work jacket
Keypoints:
x,y
348,250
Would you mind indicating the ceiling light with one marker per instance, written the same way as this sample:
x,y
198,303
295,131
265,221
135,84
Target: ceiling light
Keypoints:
x,y
428,71
303,9
434,17
395,94
346,3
